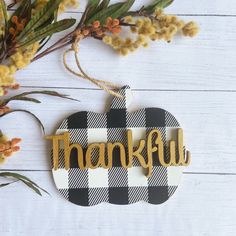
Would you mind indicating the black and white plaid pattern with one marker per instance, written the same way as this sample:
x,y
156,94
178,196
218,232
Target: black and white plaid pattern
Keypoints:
x,y
117,185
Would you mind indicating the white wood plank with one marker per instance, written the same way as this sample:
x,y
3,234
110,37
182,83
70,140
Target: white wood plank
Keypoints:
x,y
184,7
205,62
226,7
208,119
203,205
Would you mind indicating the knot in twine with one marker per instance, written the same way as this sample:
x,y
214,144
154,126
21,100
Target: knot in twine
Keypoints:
x,y
105,85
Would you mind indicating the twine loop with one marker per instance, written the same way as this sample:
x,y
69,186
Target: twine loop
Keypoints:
x,y
105,85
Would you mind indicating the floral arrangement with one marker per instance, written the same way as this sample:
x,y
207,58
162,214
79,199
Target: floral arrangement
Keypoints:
x,y
26,30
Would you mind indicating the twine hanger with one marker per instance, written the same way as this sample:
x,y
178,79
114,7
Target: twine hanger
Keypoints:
x,y
105,85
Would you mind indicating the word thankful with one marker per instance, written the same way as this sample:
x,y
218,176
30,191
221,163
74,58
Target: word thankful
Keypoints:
x,y
154,144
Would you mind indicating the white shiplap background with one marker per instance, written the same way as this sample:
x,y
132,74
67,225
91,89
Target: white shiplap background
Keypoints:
x,y
192,78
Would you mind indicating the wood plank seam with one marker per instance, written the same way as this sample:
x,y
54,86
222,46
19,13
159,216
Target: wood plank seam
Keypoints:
x,y
185,172
135,89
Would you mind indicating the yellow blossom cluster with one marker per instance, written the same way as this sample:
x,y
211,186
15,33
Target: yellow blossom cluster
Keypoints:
x,y
156,27
124,46
6,78
190,29
7,147
19,60
68,4
23,56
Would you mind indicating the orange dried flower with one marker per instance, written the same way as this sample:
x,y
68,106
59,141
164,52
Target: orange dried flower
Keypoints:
x,y
116,30
8,147
115,22
4,110
14,19
113,25
19,26
108,21
15,141
15,148
15,86
96,24
7,153
2,147
99,33
11,86
85,32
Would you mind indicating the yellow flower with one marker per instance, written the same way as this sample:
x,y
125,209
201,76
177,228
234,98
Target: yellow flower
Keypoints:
x,y
3,138
128,41
124,51
156,27
107,39
68,4
2,159
6,78
23,56
158,12
129,20
190,29
19,60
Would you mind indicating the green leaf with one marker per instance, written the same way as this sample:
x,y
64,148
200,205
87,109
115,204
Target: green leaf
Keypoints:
x,y
115,11
6,184
103,4
4,11
164,3
47,31
28,112
93,3
4,102
28,182
44,41
157,4
124,9
2,45
36,190
105,13
91,12
40,17
92,7
27,99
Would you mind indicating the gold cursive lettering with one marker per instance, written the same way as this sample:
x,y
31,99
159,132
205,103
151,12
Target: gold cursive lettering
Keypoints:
x,y
154,145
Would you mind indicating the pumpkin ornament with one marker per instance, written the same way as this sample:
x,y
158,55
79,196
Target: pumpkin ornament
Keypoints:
x,y
118,157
